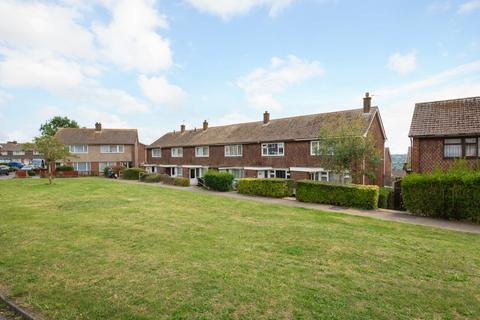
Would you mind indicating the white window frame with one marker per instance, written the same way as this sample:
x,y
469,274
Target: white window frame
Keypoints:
x,y
71,148
178,172
237,147
119,148
36,153
202,154
178,153
158,155
280,145
18,153
107,164
88,167
312,148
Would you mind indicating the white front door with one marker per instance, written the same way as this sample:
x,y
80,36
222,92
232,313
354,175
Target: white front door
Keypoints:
x,y
193,176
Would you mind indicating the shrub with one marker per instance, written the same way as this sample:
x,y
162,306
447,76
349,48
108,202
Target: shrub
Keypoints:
x,y
132,173
116,170
219,181
64,168
181,182
385,198
347,195
451,195
276,188
12,169
31,173
150,177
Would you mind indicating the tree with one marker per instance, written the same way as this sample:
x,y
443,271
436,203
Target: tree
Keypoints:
x,y
51,149
51,127
344,147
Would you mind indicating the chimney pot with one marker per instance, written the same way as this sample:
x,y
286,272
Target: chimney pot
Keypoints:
x,y
182,128
205,125
98,126
367,103
266,117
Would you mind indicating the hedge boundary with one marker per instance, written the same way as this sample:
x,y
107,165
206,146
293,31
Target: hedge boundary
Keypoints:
x,y
218,181
265,187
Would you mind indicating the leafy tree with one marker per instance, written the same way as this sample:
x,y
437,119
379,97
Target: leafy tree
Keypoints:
x,y
51,127
51,149
345,148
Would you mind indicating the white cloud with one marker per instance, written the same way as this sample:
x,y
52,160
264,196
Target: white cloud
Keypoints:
x,y
232,118
469,6
88,117
261,84
49,112
131,41
159,91
226,9
402,64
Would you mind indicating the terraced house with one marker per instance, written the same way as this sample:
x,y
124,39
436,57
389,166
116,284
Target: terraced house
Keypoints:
x,y
95,149
14,151
272,148
442,131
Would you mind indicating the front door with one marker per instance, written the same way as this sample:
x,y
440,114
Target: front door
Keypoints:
x,y
193,176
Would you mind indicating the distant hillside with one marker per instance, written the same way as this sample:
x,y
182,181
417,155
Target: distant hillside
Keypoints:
x,y
398,160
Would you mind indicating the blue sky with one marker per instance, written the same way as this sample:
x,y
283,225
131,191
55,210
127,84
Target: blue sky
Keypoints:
x,y
153,65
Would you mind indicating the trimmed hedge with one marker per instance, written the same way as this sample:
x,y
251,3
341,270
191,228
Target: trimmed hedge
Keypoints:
x,y
385,198
181,182
132,173
64,168
151,177
218,181
443,195
346,195
276,188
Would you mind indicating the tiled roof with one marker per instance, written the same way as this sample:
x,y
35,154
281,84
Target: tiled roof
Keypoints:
x,y
446,118
10,146
90,136
284,129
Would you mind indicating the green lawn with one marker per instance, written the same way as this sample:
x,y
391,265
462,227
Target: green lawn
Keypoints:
x,y
100,249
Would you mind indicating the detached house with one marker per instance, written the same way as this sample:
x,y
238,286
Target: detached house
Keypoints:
x,y
272,148
442,131
14,151
95,149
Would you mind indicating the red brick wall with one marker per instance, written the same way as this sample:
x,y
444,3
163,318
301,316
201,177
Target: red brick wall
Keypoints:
x,y
427,155
376,133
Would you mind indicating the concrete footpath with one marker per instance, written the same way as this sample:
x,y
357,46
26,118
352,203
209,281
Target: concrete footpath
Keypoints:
x,y
382,214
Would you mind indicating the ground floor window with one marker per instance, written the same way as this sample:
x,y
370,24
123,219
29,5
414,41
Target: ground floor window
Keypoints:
x,y
320,176
237,173
103,165
275,173
81,166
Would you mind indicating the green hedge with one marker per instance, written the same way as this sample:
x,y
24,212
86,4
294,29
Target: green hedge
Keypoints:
x,y
218,181
385,198
276,188
64,168
347,195
151,177
443,195
132,173
181,182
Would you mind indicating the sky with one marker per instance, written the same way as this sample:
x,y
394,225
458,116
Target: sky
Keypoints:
x,y
153,65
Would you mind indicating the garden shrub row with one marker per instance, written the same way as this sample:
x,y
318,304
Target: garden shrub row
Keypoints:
x,y
151,177
443,195
385,198
166,179
276,188
64,168
132,173
218,181
346,195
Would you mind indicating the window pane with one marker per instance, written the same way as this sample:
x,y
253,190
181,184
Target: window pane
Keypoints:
x,y
453,141
453,151
471,150
280,174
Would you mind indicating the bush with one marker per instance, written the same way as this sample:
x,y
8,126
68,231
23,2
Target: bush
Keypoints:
x,y
12,169
276,188
219,181
31,173
346,195
181,182
174,181
64,168
132,173
385,198
150,177
451,195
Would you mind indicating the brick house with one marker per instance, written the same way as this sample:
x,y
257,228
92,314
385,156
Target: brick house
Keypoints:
x,y
14,151
95,149
442,131
282,148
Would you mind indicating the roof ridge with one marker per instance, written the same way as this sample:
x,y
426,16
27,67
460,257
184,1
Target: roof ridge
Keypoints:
x,y
448,100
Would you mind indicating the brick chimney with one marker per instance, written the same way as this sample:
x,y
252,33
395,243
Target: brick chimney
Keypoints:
x,y
367,103
266,117
205,125
182,128
98,126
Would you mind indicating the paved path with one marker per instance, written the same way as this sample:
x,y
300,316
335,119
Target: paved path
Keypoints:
x,y
382,214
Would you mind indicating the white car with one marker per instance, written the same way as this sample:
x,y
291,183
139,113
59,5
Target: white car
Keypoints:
x,y
27,168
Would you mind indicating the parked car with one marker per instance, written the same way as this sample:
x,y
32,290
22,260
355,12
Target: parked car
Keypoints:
x,y
27,168
38,163
15,164
4,170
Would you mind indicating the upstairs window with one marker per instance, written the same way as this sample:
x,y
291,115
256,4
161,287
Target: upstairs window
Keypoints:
x,y
461,147
201,152
233,150
18,153
315,149
112,149
78,148
177,152
156,153
273,149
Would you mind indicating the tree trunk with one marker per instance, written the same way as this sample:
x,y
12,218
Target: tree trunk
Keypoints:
x,y
50,173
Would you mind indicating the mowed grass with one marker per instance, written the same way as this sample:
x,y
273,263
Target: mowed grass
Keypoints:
x,y
99,249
